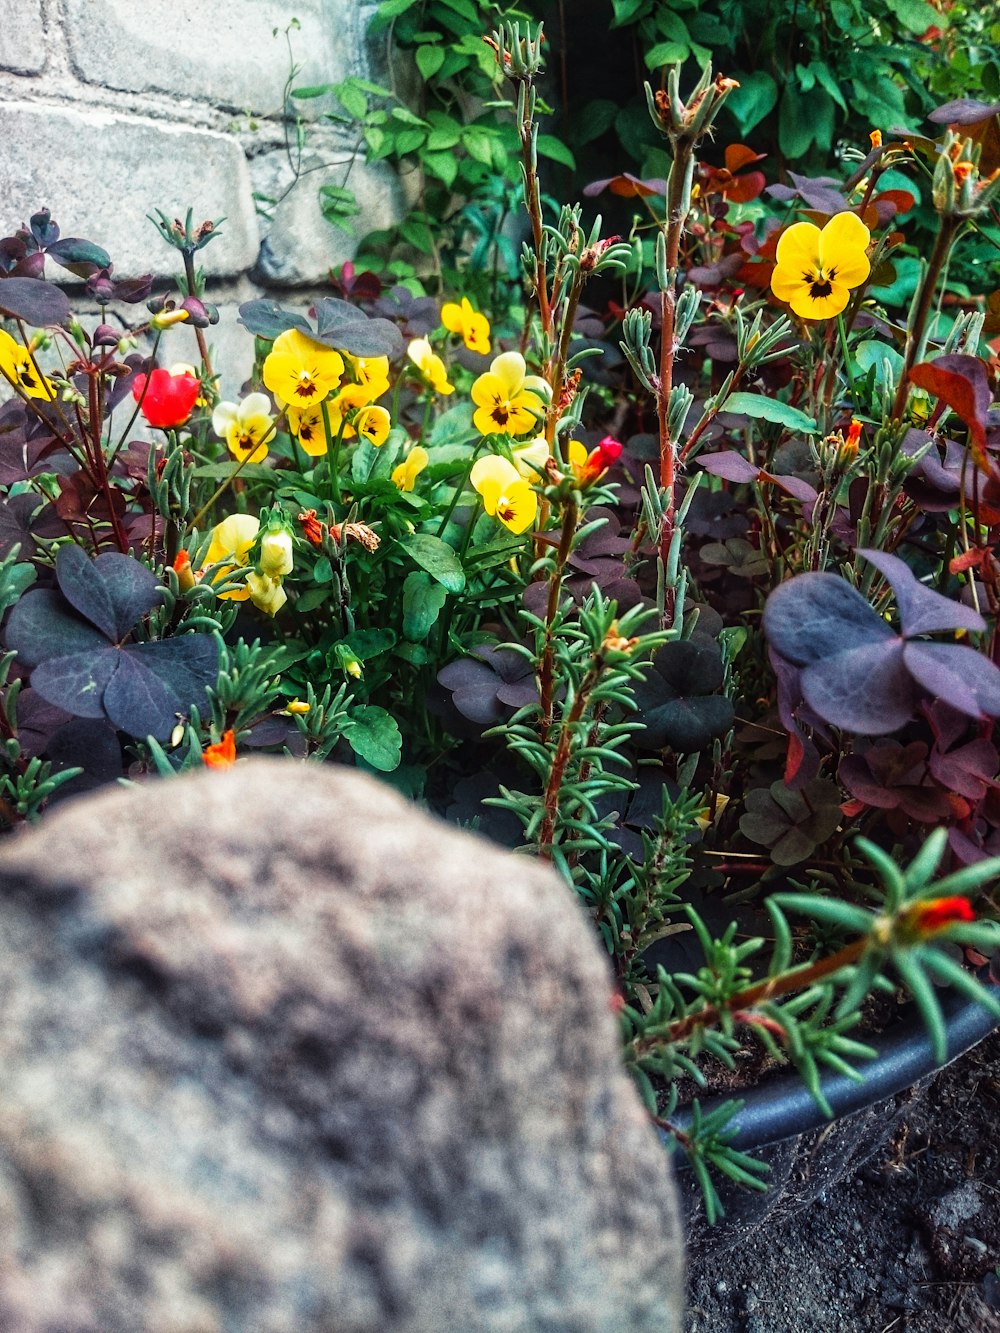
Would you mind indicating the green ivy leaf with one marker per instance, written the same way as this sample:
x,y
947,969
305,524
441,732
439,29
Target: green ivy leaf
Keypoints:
x,y
753,99
429,60
550,146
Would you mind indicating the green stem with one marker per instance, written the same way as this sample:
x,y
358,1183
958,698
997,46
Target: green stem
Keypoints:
x,y
847,364
916,340
333,443
227,482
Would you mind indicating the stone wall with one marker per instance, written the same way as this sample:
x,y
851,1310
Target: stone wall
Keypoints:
x,y
110,110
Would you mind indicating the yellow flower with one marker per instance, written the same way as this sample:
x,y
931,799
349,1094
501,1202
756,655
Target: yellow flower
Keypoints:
x,y
297,706
373,423
17,366
509,402
372,375
276,553
816,270
530,458
405,475
430,365
474,327
266,593
245,426
307,427
300,371
232,540
506,495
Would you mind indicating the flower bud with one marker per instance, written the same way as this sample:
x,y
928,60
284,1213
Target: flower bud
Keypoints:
x,y
266,593
276,553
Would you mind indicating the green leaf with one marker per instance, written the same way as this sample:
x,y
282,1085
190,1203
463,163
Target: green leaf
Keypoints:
x,y
423,598
626,10
250,471
453,426
352,99
550,146
759,407
387,11
442,165
374,736
666,53
429,60
796,129
917,15
594,119
478,143
319,90
437,557
753,99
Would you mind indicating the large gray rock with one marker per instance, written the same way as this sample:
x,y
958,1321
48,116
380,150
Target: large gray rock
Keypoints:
x,y
22,49
281,1053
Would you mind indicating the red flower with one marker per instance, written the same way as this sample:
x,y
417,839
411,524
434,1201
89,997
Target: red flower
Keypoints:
x,y
165,400
222,755
936,914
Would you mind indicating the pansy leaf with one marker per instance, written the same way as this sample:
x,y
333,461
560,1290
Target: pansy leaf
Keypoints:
x,y
78,681
865,689
187,664
814,616
960,676
921,610
41,627
137,701
343,326
267,319
438,558
35,301
374,737
423,598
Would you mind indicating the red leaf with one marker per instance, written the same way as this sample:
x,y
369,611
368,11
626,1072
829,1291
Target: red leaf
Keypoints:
x,y
962,383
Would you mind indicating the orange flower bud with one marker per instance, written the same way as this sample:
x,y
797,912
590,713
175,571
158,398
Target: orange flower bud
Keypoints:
x,y
222,755
185,574
876,138
312,528
936,914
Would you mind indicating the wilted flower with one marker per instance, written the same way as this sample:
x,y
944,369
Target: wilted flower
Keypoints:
x,y
473,327
312,528
430,365
166,400
506,495
816,270
508,401
300,371
245,426
17,366
266,592
405,474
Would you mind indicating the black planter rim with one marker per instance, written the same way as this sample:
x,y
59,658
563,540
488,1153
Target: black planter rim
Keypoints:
x,y
782,1107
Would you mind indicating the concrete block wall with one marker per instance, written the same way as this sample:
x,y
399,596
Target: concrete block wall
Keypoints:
x,y
112,108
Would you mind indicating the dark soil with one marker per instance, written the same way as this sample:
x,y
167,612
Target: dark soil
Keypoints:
x,y
908,1244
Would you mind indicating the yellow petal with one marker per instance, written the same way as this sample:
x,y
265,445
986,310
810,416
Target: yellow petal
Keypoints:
x,y
799,248
509,369
845,232
808,306
493,470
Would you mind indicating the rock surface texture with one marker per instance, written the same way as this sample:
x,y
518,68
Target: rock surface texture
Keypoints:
x,y
281,1053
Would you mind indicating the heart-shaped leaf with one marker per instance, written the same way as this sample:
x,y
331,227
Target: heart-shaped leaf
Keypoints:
x,y
35,301
921,610
78,681
866,689
676,702
343,326
113,591
267,319
42,626
959,675
814,616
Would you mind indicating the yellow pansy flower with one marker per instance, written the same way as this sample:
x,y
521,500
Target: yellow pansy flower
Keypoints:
x,y
372,375
506,495
245,426
231,540
815,270
405,475
300,371
373,423
509,401
474,327
17,366
307,426
430,365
